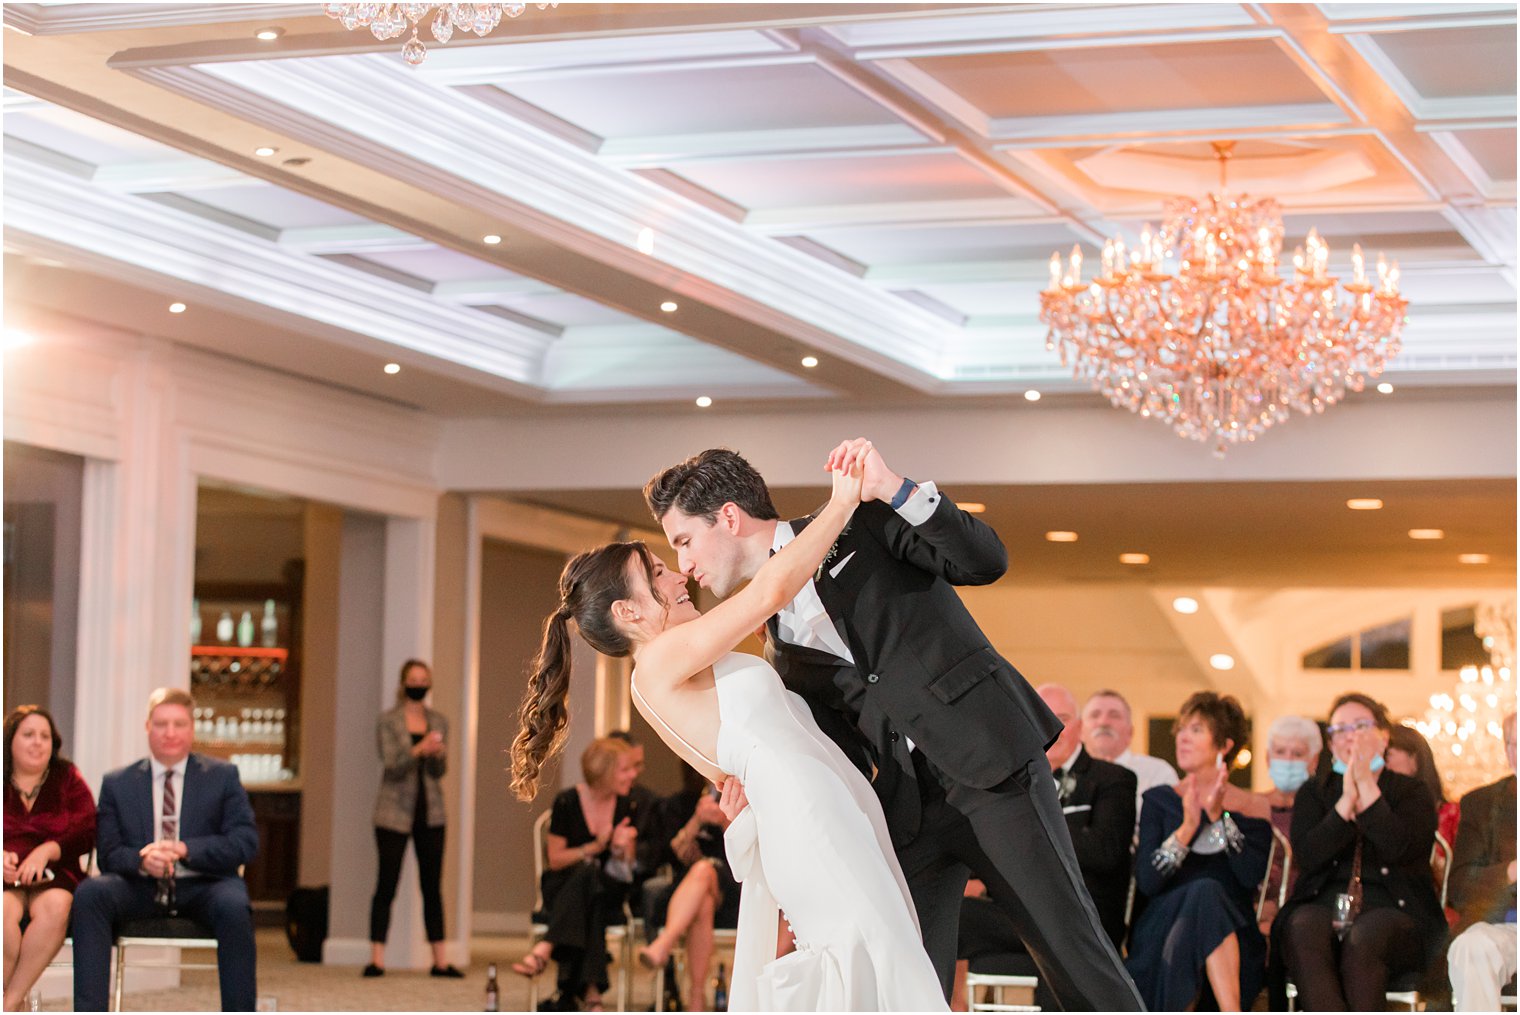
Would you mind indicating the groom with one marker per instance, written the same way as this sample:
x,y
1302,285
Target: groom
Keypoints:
x,y
899,675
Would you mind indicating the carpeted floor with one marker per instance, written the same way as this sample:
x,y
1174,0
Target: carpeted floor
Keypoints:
x,y
298,986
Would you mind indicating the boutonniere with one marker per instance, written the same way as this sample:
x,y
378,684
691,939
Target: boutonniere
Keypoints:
x,y
833,552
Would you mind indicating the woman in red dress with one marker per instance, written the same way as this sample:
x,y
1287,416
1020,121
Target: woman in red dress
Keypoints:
x,y
49,830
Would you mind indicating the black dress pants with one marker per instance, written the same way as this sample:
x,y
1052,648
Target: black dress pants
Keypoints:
x,y
428,843
580,902
1014,838
1351,974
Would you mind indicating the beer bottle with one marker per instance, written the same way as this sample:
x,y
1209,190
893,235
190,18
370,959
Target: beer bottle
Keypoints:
x,y
493,992
720,990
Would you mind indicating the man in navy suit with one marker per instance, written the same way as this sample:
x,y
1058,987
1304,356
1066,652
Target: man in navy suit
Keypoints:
x,y
172,816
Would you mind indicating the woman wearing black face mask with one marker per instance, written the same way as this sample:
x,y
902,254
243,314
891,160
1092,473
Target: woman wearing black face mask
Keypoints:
x,y
411,738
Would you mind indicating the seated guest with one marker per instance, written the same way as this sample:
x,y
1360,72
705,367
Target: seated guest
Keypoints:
x,y
1364,910
591,849
1200,859
1293,747
1482,957
184,820
49,830
1098,801
1409,754
702,894
1107,729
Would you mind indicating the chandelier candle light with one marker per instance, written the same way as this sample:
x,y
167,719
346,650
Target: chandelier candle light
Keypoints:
x,y
388,21
1223,347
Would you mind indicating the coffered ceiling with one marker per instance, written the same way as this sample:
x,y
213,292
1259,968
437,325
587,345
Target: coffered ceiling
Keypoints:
x,y
876,185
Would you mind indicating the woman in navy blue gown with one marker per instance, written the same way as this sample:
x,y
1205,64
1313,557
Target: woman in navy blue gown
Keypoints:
x,y
1202,854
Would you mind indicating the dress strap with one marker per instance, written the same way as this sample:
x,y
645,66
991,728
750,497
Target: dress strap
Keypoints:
x,y
651,713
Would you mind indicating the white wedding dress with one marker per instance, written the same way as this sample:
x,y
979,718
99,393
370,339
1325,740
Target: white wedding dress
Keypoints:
x,y
813,846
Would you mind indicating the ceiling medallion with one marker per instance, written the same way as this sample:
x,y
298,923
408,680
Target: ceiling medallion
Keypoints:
x,y
1223,347
388,21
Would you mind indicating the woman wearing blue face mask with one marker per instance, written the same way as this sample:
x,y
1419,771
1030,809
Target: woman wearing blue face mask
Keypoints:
x,y
1363,911
1293,748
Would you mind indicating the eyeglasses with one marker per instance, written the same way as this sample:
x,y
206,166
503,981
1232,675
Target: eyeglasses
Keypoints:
x,y
1348,728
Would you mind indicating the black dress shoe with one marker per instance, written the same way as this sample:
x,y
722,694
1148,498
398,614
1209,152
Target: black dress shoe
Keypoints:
x,y
448,971
374,970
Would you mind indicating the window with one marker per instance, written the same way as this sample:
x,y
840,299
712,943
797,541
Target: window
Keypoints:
x,y
1383,647
1460,644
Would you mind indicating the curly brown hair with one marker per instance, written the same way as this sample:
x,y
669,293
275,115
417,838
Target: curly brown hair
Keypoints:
x,y
588,587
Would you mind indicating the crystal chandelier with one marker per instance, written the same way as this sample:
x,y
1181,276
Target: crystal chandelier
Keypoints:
x,y
387,21
1222,347
1466,727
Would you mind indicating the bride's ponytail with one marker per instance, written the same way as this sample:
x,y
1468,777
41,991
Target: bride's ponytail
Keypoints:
x,y
588,587
544,717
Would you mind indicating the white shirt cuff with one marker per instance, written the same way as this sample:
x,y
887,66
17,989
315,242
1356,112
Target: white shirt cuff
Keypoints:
x,y
920,504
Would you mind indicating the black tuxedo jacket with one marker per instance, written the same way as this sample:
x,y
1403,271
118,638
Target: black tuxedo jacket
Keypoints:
x,y
1480,886
1098,800
216,822
923,669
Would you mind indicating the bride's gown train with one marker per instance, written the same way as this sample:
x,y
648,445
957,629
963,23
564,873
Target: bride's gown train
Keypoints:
x,y
812,844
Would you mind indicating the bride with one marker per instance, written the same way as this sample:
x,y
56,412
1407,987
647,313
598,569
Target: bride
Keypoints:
x,y
811,845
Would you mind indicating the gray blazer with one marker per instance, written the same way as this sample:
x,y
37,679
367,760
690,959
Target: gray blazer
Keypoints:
x,y
397,803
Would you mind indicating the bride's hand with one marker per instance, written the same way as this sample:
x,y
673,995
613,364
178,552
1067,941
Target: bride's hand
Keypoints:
x,y
848,481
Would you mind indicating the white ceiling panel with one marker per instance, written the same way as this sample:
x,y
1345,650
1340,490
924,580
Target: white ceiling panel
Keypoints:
x,y
1494,151
564,309
275,207
1454,63
1075,82
811,182
439,264
81,137
727,100
909,246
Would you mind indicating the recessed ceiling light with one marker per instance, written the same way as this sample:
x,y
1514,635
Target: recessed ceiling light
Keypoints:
x,y
810,361
1222,661
176,308
1364,504
971,507
646,240
1427,534
669,306
1185,604
264,151
490,239
268,34
1061,536
1134,558
393,368
1031,396
1473,558
703,402
1385,388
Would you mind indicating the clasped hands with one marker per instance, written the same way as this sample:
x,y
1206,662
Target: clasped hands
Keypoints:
x,y
159,858
1359,786
878,482
431,745
32,870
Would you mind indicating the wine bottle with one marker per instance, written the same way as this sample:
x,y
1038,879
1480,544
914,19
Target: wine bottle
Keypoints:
x,y
493,992
245,629
195,621
269,627
224,628
720,990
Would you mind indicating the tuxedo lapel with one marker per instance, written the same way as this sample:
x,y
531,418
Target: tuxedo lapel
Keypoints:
x,y
141,785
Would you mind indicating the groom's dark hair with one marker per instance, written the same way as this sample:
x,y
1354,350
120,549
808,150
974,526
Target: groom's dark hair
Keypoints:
x,y
703,483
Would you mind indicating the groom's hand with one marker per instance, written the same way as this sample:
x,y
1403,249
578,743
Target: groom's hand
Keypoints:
x,y
732,800
880,482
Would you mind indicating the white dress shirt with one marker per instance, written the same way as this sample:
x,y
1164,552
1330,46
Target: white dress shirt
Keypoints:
x,y
158,769
804,621
1149,773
